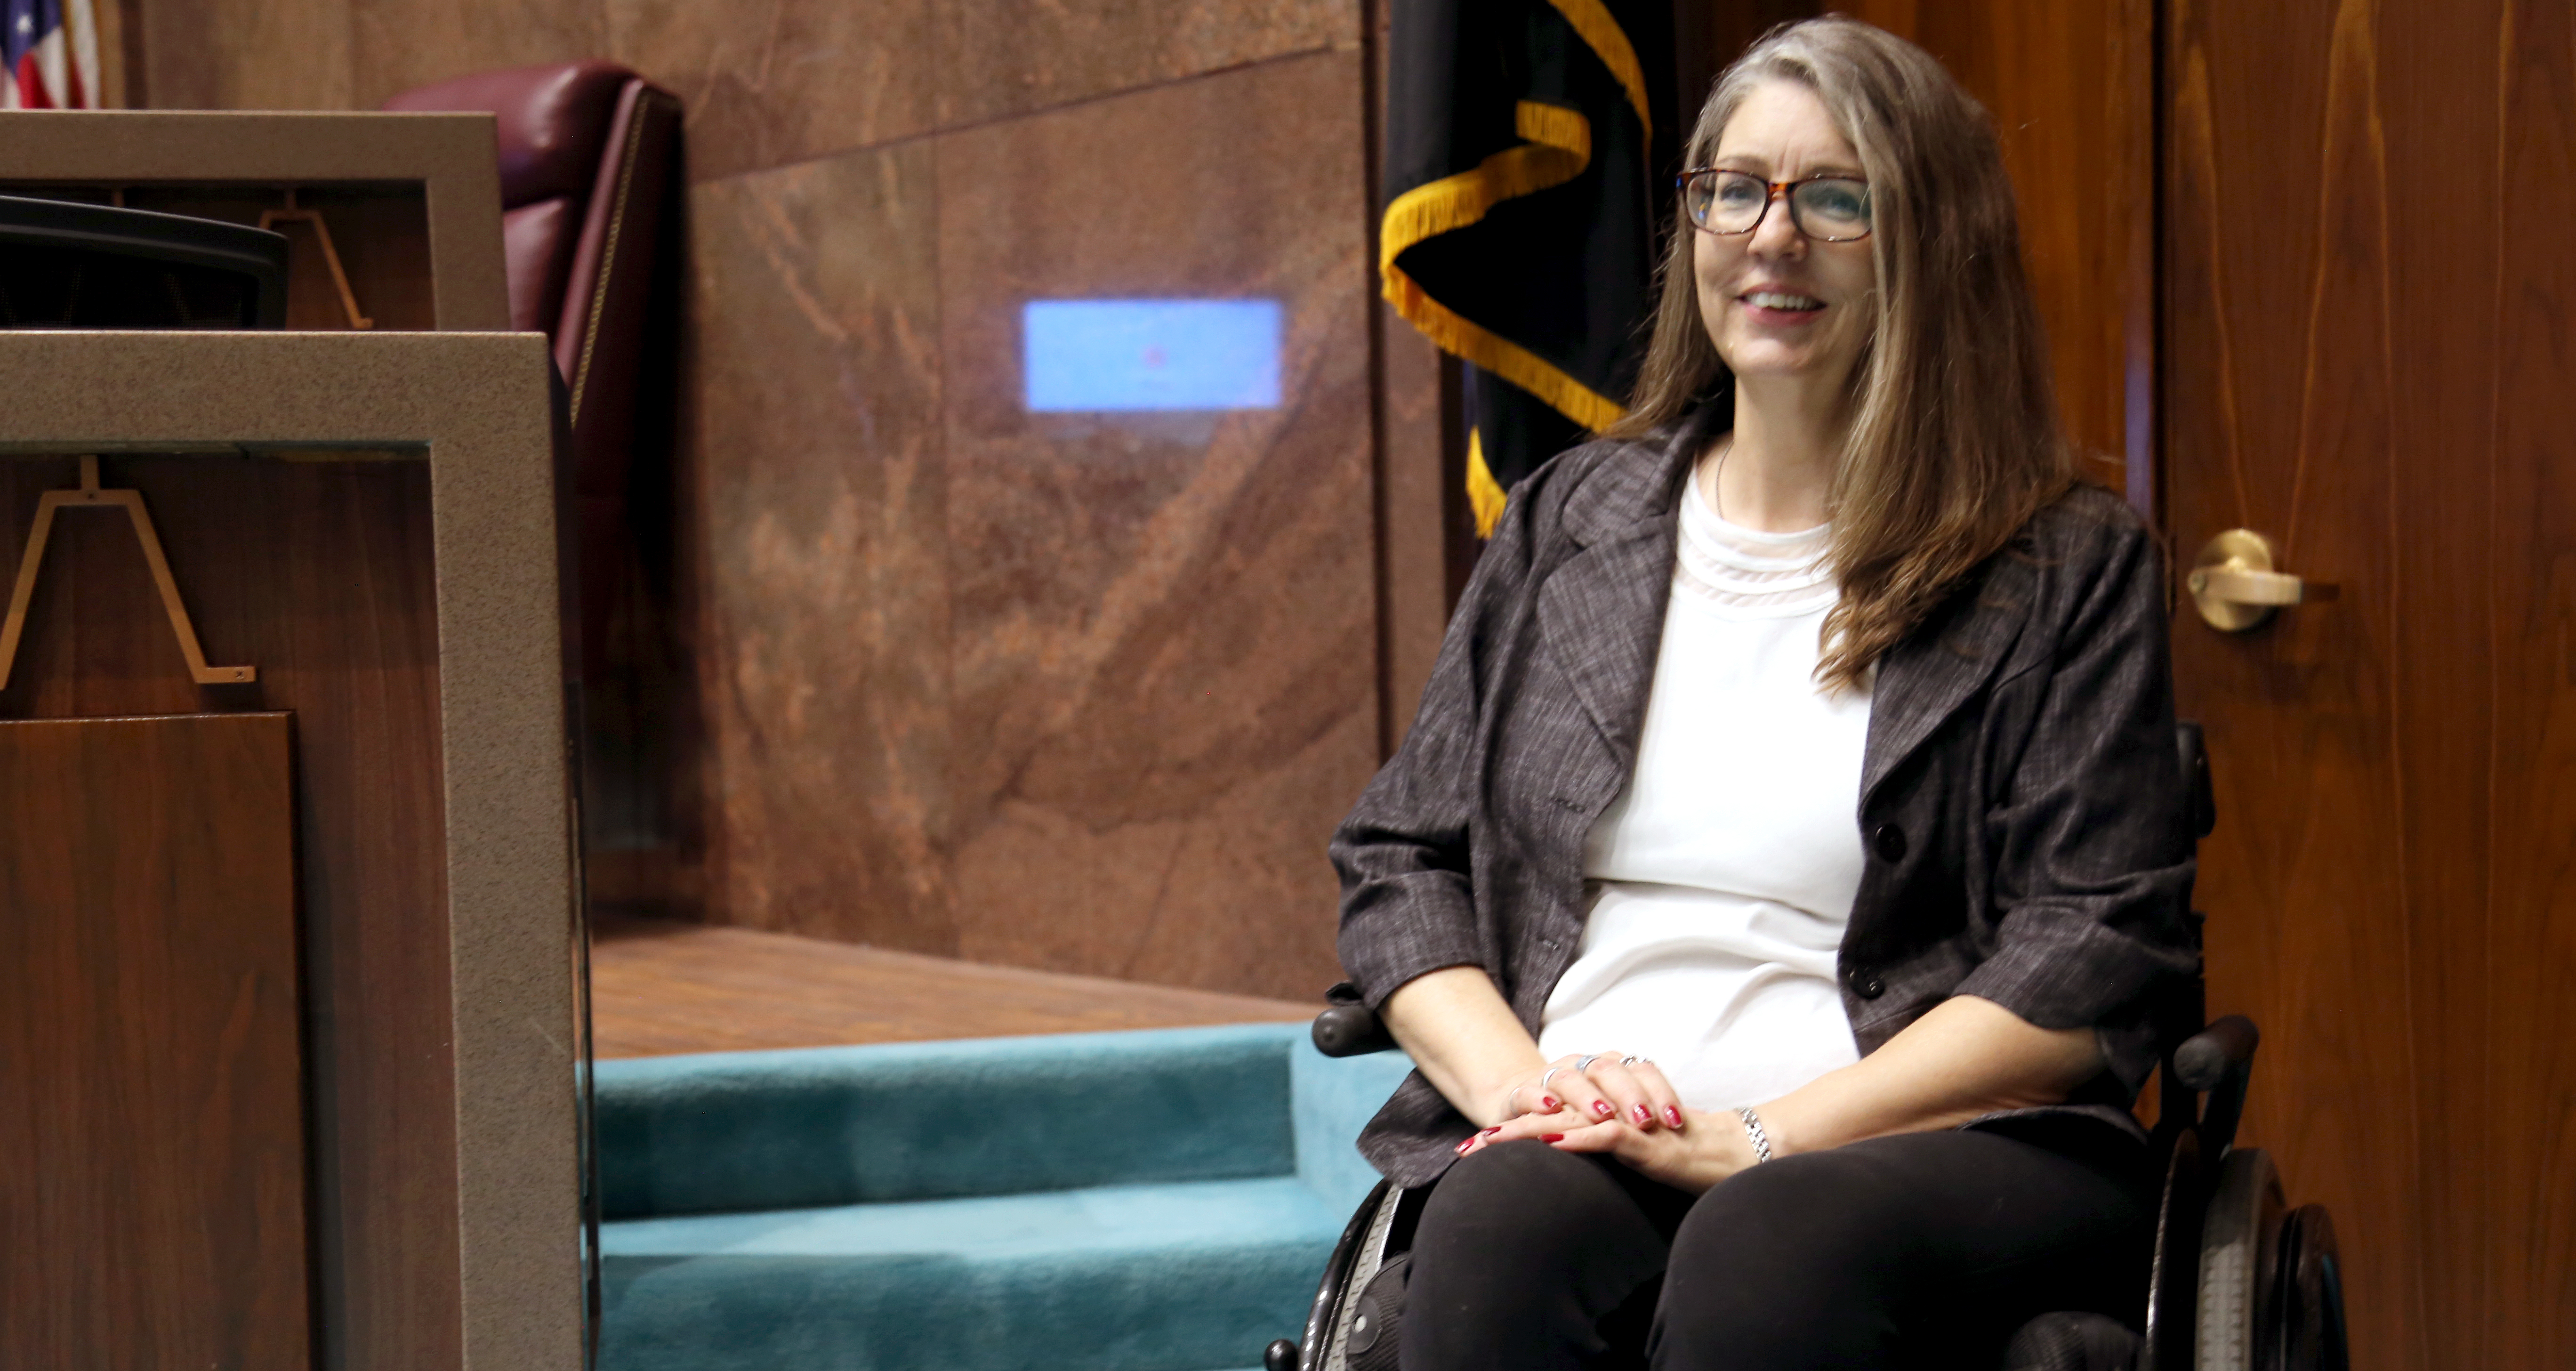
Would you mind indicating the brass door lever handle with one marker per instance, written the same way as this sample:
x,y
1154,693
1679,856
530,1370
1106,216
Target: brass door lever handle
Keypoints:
x,y
2236,588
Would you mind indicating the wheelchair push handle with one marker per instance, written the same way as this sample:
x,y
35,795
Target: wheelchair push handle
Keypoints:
x,y
1349,1028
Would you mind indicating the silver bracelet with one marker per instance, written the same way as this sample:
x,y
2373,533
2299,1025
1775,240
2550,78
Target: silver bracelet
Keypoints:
x,y
1753,1130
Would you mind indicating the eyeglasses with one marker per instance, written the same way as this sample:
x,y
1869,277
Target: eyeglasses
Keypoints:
x,y
1828,209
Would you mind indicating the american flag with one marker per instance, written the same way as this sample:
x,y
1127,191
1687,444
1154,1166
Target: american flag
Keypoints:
x,y
52,52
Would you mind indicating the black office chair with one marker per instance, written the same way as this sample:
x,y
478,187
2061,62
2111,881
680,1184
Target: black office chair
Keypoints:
x,y
2241,1281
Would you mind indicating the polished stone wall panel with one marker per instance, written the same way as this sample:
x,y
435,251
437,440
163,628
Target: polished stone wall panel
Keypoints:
x,y
244,54
813,470
1164,626
1003,57
794,79
399,44
1084,693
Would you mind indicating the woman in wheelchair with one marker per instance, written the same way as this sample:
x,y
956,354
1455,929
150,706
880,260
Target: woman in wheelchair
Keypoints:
x,y
1780,882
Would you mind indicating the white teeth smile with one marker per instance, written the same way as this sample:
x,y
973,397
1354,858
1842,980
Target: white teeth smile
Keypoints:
x,y
1776,299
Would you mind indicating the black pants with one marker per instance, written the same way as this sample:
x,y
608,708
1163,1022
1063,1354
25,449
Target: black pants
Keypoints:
x,y
1918,1251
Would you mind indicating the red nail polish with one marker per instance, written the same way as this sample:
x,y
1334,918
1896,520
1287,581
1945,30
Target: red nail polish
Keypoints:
x,y
1601,1107
1462,1147
1546,1103
1640,1114
1551,1137
1674,1113
1497,1128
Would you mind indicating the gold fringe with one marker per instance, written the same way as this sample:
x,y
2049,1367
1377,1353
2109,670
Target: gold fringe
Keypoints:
x,y
1600,31
1560,147
1484,493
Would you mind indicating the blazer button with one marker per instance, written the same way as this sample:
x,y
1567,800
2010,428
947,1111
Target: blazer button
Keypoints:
x,y
1865,983
1890,842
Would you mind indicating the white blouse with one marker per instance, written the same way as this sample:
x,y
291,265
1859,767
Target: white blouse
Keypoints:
x,y
1726,871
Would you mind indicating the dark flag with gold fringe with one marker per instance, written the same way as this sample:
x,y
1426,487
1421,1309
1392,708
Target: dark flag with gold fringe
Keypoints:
x,y
1521,210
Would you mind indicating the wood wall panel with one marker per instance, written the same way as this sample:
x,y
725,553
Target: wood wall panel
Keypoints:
x,y
154,1197
322,576
2526,953
2367,360
2071,90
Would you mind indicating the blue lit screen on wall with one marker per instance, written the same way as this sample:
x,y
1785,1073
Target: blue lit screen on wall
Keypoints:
x,y
1097,356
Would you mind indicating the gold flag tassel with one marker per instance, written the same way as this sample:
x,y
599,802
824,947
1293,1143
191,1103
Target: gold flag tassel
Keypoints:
x,y
1484,493
1558,147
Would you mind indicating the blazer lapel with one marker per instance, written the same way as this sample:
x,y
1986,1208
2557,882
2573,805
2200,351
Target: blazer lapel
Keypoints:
x,y
1601,616
1601,612
1925,678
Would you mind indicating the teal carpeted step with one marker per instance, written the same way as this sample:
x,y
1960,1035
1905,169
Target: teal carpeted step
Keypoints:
x,y
899,1121
1145,1201
1119,1278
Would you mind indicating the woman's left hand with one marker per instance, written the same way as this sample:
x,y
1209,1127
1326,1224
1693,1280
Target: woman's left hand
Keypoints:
x,y
1691,1159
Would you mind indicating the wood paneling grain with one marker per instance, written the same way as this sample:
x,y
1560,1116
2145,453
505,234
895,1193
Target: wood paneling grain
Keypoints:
x,y
2071,91
2305,876
2525,1067
2368,361
154,1196
322,576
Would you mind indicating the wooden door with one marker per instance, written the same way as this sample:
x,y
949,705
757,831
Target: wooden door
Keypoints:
x,y
154,1129
2367,291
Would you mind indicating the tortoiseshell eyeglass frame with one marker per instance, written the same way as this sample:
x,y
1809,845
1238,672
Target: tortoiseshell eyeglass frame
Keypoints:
x,y
1772,192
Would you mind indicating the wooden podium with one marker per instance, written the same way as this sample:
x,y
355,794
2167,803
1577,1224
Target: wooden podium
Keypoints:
x,y
288,876
290,1018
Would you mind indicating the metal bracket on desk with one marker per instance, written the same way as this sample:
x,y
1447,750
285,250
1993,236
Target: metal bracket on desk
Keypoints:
x,y
89,496
270,219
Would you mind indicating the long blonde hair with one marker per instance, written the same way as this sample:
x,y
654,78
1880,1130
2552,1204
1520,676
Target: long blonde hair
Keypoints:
x,y
1954,439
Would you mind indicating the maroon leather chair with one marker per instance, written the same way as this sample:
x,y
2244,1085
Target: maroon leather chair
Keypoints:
x,y
588,155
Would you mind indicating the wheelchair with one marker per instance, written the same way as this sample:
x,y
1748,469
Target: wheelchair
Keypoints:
x,y
2241,1281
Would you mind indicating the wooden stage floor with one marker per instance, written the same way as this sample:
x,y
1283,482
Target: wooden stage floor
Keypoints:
x,y
659,987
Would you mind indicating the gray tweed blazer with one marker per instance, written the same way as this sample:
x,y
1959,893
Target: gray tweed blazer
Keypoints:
x,y
2021,801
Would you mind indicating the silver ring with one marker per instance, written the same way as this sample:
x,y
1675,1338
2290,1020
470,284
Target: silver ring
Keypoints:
x,y
1542,1080
1586,1063
1636,1061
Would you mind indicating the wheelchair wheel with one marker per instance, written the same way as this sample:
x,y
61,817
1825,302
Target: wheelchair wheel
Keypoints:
x,y
2237,1312
2271,1277
2174,1289
2308,1283
1343,1328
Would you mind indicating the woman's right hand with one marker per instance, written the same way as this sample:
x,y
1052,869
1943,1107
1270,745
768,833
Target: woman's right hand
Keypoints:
x,y
1597,1087
1456,1027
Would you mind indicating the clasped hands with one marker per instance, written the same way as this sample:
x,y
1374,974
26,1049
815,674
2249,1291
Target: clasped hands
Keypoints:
x,y
1622,1105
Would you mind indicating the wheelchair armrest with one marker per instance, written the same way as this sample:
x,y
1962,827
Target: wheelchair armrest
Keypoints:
x,y
2206,1057
1350,1028
2219,1061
